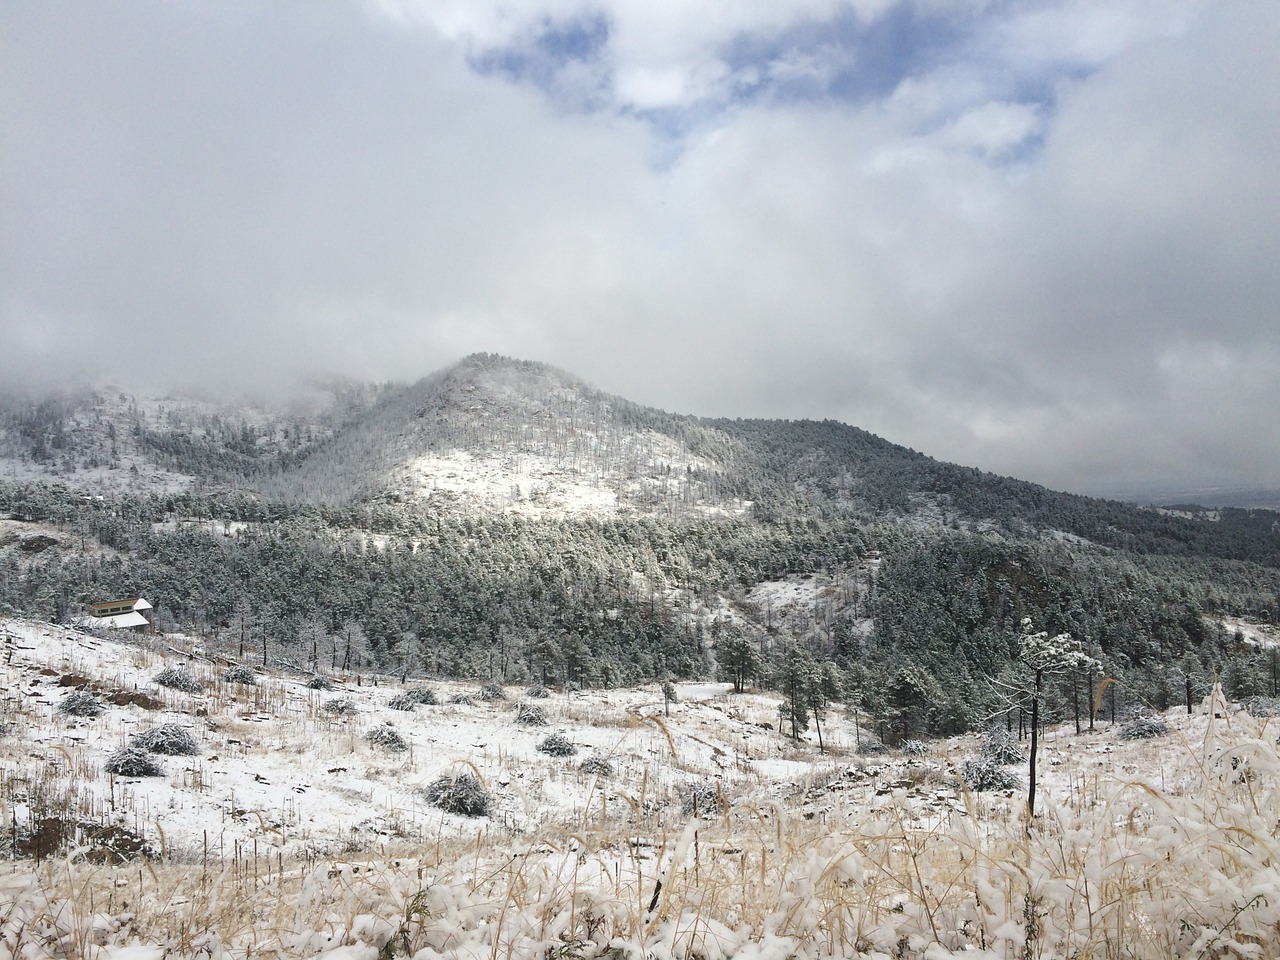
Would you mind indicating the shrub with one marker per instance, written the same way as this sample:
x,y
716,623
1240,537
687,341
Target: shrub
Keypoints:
x,y
914,748
462,700
81,703
171,739
387,738
596,765
133,762
423,695
319,682
530,715
703,797
402,701
1143,728
241,673
491,692
869,746
986,773
537,692
1000,747
462,793
178,679
338,708
1260,707
557,745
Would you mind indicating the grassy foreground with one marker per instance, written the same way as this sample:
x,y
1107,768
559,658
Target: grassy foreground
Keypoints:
x,y
1121,869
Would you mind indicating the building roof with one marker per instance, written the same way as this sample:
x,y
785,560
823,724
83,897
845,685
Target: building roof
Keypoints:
x,y
119,622
133,603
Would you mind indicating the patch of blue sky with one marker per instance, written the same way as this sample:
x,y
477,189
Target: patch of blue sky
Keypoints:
x,y
844,58
542,57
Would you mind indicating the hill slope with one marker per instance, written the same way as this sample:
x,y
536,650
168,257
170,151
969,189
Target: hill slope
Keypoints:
x,y
493,434
292,829
503,520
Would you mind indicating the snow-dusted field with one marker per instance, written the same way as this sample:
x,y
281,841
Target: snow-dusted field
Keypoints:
x,y
291,834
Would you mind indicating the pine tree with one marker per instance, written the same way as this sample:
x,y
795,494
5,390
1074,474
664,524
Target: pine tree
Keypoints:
x,y
1043,655
797,677
737,658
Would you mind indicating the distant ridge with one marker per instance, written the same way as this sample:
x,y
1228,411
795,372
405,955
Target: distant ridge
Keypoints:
x,y
493,435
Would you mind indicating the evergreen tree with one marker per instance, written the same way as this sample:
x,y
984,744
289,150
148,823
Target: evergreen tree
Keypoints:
x,y
737,658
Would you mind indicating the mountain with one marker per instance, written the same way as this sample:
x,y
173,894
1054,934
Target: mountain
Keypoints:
x,y
504,520
496,435
739,618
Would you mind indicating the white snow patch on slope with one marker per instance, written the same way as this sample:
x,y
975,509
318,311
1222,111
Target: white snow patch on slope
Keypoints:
x,y
642,472
531,484
1265,635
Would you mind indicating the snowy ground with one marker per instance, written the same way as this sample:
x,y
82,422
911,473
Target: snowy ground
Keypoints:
x,y
1265,635
289,834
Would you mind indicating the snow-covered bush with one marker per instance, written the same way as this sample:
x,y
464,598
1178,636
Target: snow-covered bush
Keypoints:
x,y
1263,706
241,673
402,701
986,773
320,682
597,766
462,700
462,793
342,707
999,746
133,762
1143,728
557,745
387,738
703,797
423,695
869,746
81,703
537,692
530,715
914,748
490,693
176,678
171,739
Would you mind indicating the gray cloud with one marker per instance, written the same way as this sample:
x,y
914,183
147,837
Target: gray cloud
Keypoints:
x,y
1050,258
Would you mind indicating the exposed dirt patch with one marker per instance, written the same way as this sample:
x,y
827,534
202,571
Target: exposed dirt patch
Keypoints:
x,y
136,698
37,544
95,842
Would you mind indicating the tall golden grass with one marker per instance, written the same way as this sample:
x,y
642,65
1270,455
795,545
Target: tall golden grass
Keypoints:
x,y
1120,867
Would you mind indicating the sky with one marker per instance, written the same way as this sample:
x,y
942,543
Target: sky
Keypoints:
x,y
1039,238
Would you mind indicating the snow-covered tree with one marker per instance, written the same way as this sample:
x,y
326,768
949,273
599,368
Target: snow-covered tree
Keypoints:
x,y
1043,654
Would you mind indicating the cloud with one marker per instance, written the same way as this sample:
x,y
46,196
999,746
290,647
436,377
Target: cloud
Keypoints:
x,y
1039,240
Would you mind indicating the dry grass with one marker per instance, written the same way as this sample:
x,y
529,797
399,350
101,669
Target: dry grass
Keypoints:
x,y
1187,866
1129,871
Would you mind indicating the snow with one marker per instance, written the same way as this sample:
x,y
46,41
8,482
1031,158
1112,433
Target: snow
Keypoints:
x,y
290,835
537,480
532,484
1264,635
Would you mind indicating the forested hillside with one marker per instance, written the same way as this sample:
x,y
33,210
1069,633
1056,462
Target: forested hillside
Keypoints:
x,y
504,521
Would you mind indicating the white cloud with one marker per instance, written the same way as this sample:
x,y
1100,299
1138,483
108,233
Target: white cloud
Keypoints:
x,y
355,196
993,129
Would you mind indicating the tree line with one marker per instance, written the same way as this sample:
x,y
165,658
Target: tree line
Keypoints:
x,y
918,641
